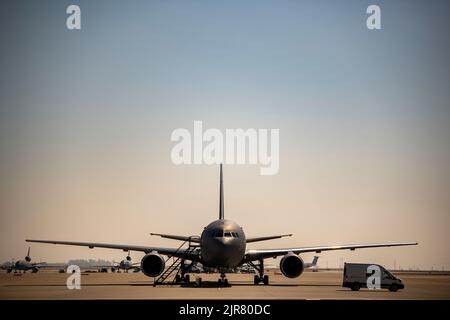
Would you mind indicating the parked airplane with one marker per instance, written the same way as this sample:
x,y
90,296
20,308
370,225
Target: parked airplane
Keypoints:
x,y
222,245
312,265
126,265
26,265
7,265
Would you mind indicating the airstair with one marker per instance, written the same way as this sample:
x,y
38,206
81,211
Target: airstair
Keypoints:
x,y
177,264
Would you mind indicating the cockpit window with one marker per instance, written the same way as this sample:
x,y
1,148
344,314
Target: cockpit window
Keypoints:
x,y
221,234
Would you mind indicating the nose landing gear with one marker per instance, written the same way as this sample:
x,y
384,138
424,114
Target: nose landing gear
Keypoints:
x,y
223,281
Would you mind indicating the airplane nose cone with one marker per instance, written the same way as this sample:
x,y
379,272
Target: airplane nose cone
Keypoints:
x,y
224,243
220,241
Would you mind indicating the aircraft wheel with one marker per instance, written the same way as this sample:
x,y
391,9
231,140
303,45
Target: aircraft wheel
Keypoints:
x,y
187,278
177,278
356,286
393,288
225,282
256,280
266,280
219,282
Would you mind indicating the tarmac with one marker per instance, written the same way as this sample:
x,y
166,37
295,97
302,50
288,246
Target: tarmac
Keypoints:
x,y
310,285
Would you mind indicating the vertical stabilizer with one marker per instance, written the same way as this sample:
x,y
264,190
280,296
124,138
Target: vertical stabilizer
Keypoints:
x,y
221,212
28,258
314,262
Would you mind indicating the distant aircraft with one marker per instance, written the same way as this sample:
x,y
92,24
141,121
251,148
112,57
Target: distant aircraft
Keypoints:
x,y
26,265
195,267
126,265
312,265
7,265
222,245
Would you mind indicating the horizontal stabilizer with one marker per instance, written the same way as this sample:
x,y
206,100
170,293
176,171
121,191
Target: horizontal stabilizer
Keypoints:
x,y
267,238
175,237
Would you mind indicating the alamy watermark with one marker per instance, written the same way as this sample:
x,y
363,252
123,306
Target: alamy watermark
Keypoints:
x,y
73,20
374,280
74,280
234,146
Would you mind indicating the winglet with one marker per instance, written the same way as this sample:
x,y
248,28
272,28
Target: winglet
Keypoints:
x,y
221,211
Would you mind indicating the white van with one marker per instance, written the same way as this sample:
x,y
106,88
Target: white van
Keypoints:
x,y
356,274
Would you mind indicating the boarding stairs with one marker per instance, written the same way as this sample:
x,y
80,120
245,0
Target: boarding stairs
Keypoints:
x,y
177,262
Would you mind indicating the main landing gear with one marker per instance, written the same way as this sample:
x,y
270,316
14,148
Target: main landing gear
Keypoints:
x,y
264,279
223,281
182,278
261,277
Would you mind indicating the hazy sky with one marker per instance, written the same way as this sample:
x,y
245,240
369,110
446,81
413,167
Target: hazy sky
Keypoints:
x,y
364,118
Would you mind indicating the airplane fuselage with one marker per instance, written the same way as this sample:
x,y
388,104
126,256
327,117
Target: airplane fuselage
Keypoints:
x,y
222,244
125,264
24,265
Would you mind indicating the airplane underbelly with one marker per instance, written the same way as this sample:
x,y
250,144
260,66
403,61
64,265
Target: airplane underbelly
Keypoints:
x,y
217,256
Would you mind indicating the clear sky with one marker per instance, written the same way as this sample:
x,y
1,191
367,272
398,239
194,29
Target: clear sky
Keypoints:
x,y
86,118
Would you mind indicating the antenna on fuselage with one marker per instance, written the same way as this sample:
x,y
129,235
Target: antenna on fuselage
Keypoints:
x,y
221,212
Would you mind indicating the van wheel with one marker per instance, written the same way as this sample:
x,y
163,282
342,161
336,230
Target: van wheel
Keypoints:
x,y
356,286
393,288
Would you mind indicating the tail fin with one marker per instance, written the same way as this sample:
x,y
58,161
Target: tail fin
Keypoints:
x,y
221,212
28,258
314,262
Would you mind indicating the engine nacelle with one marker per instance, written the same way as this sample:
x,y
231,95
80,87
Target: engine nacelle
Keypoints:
x,y
292,265
152,265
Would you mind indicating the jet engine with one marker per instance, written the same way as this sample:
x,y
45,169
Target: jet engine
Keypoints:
x,y
291,265
152,265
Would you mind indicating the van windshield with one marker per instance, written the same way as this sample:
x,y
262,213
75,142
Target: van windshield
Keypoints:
x,y
387,274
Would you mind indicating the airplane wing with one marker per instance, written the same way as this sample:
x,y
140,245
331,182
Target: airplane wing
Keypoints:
x,y
172,252
97,266
41,265
248,240
174,237
257,254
